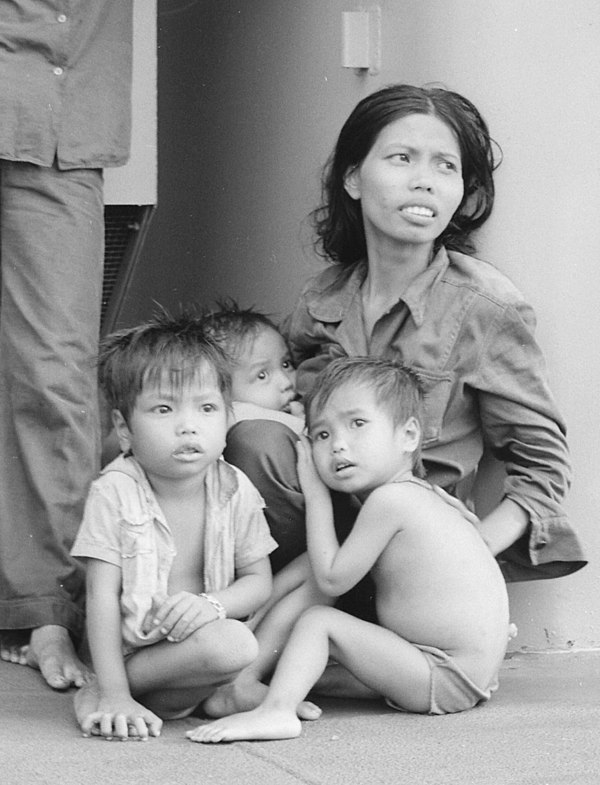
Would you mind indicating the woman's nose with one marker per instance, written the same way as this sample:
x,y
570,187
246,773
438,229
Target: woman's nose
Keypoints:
x,y
422,179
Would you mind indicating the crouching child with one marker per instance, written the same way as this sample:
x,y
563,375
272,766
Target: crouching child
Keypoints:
x,y
442,607
174,539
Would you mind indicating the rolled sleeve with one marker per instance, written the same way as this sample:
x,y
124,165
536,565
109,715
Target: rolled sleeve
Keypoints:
x,y
522,425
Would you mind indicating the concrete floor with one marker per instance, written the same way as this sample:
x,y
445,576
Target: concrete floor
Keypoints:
x,y
541,728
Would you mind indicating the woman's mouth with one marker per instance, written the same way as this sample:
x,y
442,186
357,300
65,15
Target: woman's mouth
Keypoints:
x,y
421,211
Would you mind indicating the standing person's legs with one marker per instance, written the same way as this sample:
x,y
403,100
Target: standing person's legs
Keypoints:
x,y
52,250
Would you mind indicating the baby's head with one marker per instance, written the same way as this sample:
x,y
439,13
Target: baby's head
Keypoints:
x,y
156,370
363,413
261,366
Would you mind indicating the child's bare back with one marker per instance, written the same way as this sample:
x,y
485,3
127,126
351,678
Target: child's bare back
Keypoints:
x,y
437,584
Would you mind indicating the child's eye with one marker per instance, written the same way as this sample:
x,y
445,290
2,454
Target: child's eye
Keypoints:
x,y
209,408
358,422
262,375
320,436
287,364
162,408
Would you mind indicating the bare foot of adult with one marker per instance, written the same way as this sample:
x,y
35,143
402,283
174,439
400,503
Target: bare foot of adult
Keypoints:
x,y
14,645
243,695
51,651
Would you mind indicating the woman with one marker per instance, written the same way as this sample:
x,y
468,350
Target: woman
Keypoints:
x,y
408,182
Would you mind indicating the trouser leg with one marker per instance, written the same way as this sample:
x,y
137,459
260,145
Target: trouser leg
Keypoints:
x,y
52,250
265,451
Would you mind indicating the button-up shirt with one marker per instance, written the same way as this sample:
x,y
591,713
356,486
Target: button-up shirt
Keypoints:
x,y
65,78
468,332
124,525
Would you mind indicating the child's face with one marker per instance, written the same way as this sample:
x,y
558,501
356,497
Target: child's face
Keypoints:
x,y
410,183
263,373
355,445
176,433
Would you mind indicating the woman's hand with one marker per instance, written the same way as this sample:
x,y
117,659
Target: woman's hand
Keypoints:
x,y
121,717
310,482
180,615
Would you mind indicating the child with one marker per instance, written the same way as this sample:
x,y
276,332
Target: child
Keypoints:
x,y
442,605
175,539
263,378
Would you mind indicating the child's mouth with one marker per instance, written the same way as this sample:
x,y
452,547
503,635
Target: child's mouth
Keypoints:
x,y
187,451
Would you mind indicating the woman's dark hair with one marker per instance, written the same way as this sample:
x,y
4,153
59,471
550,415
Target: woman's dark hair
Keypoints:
x,y
338,221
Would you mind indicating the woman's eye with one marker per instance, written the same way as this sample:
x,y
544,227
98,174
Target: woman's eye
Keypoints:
x,y
399,157
449,166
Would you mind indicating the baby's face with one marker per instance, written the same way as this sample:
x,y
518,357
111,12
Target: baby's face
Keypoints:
x,y
264,374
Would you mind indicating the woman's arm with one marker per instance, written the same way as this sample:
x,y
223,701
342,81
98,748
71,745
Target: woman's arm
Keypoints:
x,y
521,424
503,526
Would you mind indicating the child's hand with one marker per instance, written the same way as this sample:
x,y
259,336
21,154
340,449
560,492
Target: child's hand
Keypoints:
x,y
182,614
310,482
296,408
121,718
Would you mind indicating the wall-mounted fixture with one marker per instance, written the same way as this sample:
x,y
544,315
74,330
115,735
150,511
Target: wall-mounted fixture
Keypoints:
x,y
361,40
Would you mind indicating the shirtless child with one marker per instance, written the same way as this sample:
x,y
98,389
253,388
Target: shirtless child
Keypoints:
x,y
175,539
441,600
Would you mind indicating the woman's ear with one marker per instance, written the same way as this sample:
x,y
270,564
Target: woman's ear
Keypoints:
x,y
352,182
122,431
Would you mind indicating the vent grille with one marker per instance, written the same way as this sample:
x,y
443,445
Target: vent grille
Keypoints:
x,y
124,233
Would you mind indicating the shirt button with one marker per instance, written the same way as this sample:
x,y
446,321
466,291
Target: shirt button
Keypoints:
x,y
61,18
58,70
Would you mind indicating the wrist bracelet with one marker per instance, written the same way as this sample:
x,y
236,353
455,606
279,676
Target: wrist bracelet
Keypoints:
x,y
218,606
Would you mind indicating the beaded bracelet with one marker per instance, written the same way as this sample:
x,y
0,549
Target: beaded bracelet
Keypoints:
x,y
218,606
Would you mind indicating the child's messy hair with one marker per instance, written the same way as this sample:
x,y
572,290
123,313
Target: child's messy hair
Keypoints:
x,y
231,326
397,388
172,350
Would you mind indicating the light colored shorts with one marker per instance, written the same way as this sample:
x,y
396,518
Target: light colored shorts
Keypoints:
x,y
451,689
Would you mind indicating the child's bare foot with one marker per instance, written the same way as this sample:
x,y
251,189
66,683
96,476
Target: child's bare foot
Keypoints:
x,y
51,651
245,694
261,723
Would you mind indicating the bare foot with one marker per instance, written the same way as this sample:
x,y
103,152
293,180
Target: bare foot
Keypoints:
x,y
261,723
243,695
14,645
52,652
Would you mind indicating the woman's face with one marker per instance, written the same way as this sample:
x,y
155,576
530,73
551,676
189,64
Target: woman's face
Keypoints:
x,y
410,183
